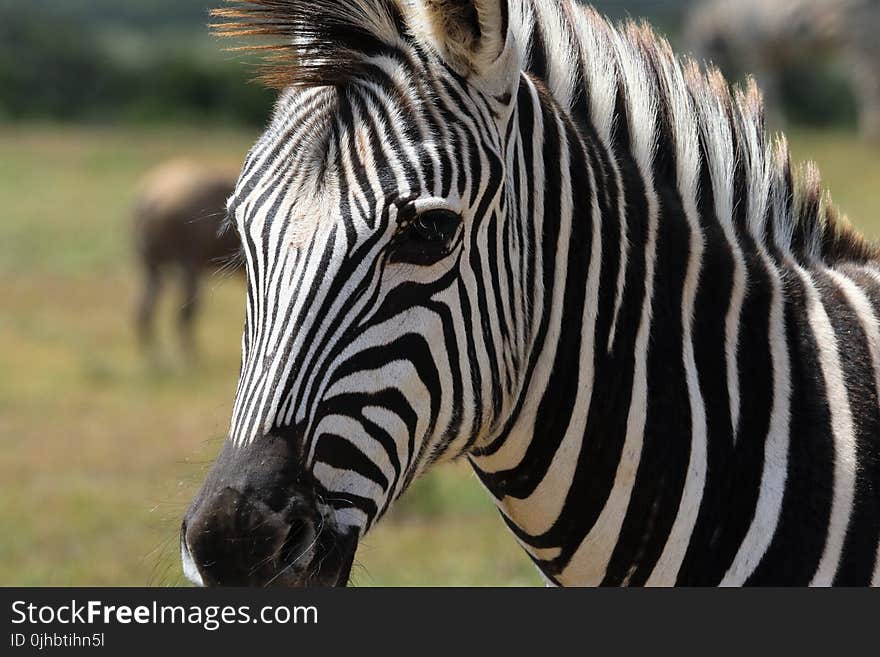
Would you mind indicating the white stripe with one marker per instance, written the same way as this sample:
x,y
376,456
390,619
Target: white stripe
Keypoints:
x,y
336,480
353,432
842,429
773,478
875,580
731,338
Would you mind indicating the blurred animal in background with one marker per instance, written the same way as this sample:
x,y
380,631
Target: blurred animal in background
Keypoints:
x,y
179,230
765,37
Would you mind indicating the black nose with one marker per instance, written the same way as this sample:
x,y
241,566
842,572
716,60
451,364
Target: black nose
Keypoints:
x,y
238,540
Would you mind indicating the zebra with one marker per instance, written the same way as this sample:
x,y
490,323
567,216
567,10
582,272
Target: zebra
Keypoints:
x,y
177,216
764,37
513,232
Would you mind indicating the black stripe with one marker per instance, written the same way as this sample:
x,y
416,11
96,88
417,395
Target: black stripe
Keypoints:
x,y
665,453
709,340
797,546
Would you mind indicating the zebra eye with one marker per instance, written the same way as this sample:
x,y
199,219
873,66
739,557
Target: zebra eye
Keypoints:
x,y
427,238
436,225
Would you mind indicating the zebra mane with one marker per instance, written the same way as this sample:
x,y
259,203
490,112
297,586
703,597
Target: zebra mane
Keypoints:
x,y
623,73
629,75
312,42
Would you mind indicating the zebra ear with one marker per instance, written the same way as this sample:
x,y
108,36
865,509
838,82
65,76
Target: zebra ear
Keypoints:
x,y
473,36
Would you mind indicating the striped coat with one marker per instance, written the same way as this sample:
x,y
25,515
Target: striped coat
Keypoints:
x,y
512,232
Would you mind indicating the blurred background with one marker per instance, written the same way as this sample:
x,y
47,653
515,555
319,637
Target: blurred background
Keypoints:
x,y
101,448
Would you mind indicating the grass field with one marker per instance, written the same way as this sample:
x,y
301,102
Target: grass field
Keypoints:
x,y
100,453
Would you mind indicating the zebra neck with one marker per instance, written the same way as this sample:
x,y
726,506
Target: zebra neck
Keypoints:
x,y
583,293
616,254
682,296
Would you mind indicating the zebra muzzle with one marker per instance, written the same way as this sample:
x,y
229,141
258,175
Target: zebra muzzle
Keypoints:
x,y
254,526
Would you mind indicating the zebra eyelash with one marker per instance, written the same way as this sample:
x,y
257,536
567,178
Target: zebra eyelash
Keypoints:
x,y
237,259
231,263
228,222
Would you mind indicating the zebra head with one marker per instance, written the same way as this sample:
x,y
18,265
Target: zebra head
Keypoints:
x,y
385,319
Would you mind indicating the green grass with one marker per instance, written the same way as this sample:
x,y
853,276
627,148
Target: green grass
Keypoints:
x,y
100,453
850,170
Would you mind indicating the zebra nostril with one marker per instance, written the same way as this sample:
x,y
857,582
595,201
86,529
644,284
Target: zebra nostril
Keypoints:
x,y
299,539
